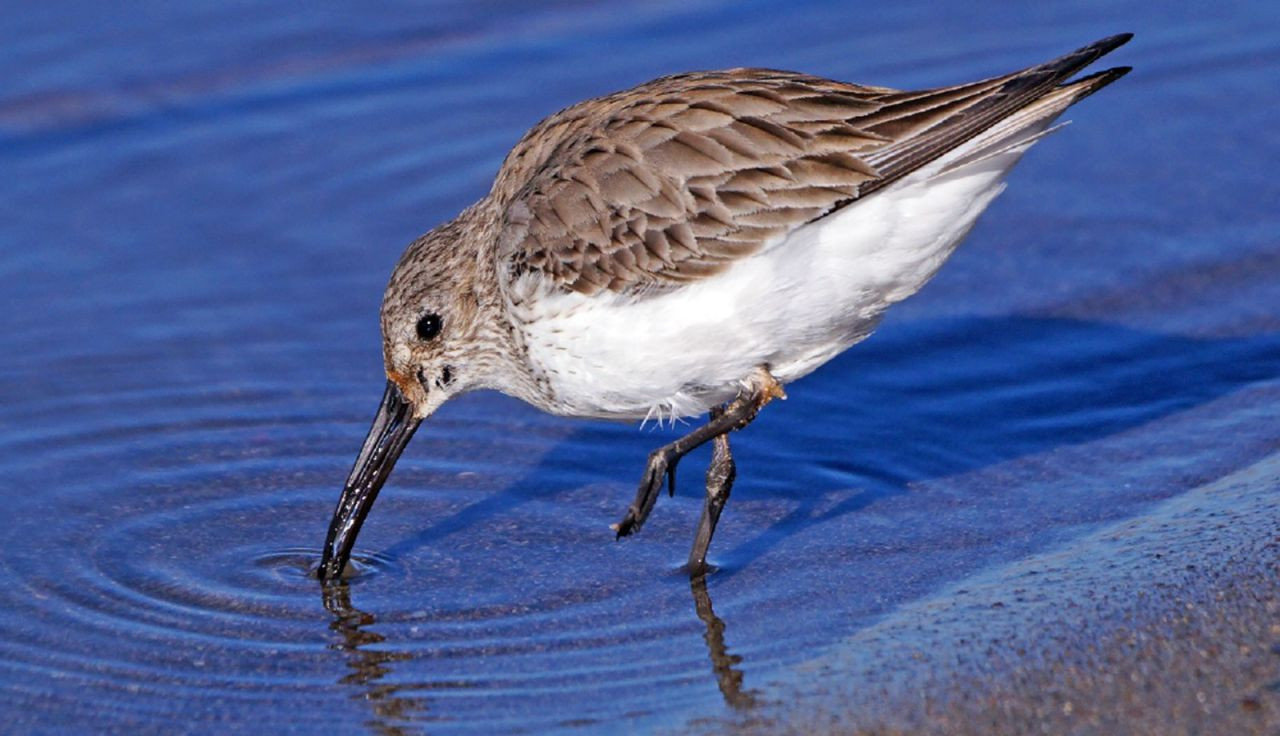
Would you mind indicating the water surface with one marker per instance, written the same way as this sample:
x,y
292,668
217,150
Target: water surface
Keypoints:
x,y
201,205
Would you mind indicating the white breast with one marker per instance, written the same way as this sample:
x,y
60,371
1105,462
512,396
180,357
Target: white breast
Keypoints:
x,y
792,306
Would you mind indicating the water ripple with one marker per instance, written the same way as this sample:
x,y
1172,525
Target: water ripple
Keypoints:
x,y
187,552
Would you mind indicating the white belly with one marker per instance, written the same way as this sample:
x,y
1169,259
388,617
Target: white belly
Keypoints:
x,y
792,306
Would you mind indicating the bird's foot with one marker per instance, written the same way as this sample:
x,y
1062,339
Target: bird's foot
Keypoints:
x,y
662,464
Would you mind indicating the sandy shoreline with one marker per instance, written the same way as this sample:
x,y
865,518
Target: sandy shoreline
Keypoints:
x,y
1164,624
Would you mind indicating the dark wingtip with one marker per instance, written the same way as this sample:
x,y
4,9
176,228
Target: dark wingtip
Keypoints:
x,y
1092,83
1105,77
1113,74
1068,64
1098,49
1113,42
1101,47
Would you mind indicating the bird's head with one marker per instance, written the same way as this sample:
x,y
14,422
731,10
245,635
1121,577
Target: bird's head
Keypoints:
x,y
433,322
434,333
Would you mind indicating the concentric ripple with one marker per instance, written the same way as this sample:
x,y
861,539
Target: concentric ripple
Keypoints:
x,y
192,576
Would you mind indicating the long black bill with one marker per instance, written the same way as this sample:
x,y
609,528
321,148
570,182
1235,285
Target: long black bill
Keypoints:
x,y
391,431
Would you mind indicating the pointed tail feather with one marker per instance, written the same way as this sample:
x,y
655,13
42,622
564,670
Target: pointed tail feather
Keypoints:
x,y
1011,104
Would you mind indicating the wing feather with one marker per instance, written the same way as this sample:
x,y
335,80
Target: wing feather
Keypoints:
x,y
674,180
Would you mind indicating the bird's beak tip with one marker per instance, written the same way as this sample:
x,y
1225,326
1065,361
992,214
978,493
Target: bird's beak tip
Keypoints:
x,y
391,431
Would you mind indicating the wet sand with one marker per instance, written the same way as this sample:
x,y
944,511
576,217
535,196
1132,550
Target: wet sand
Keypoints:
x,y
1168,624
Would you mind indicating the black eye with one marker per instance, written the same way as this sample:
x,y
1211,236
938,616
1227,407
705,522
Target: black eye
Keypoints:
x,y
429,326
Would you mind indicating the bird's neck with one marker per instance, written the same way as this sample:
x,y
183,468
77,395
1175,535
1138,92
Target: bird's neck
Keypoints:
x,y
501,357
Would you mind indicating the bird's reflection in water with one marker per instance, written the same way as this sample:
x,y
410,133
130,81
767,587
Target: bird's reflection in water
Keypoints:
x,y
398,713
393,711
728,679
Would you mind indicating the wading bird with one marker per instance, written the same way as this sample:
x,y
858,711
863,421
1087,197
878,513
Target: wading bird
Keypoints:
x,y
690,245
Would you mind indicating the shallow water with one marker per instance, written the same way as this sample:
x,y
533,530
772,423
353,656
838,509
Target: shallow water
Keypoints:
x,y
199,211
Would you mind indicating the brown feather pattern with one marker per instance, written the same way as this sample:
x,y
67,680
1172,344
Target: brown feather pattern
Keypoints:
x,y
674,180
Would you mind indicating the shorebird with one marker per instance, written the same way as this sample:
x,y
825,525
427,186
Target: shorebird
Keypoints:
x,y
688,246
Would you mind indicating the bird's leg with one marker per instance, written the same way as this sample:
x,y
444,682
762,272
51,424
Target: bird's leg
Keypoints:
x,y
720,475
759,389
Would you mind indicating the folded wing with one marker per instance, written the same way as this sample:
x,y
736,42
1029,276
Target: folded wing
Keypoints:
x,y
673,181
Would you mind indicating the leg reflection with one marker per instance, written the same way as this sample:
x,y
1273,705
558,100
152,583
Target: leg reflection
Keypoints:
x,y
393,712
728,679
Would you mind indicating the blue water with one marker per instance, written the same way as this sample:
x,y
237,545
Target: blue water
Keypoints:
x,y
199,208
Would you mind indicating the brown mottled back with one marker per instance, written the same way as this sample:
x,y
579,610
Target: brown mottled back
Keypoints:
x,y
673,180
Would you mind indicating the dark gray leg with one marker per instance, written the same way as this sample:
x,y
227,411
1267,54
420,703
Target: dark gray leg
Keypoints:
x,y
760,389
720,475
